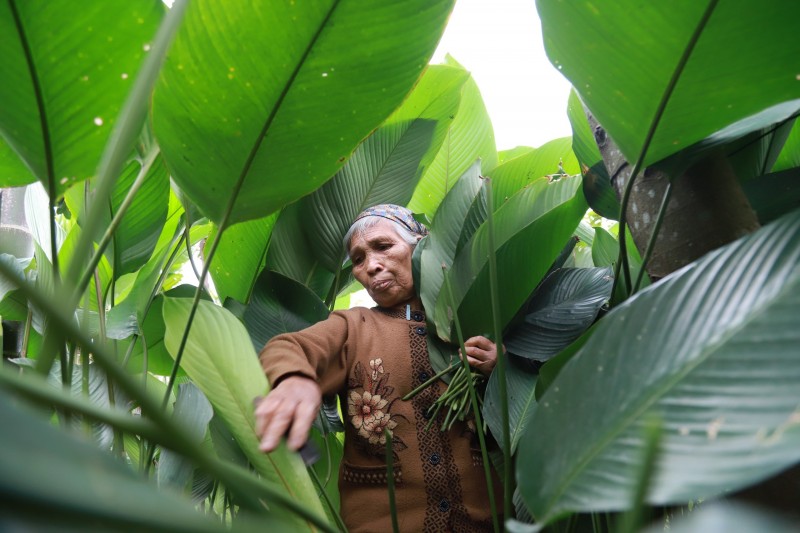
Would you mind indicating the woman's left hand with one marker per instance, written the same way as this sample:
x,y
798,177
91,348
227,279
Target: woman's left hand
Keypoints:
x,y
481,354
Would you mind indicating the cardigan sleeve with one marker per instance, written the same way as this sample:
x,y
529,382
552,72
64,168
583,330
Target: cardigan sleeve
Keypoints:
x,y
318,352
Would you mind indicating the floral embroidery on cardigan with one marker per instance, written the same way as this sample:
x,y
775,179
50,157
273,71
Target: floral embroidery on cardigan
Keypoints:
x,y
369,406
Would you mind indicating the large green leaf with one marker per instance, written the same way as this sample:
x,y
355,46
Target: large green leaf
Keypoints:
x,y
387,165
52,480
66,73
728,76
563,306
195,412
220,360
240,257
261,105
291,254
605,252
138,232
280,305
103,272
520,386
137,235
712,352
466,201
540,217
553,157
596,182
470,137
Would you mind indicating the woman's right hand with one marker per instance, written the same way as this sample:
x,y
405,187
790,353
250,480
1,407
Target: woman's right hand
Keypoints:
x,y
291,406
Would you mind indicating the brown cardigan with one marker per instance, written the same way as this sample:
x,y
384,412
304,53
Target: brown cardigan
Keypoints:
x,y
371,358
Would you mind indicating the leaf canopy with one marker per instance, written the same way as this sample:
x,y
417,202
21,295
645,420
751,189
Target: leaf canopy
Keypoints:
x,y
235,132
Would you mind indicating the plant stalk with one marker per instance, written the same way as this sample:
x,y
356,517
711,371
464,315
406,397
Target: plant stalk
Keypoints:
x,y
508,486
390,480
97,256
475,409
651,243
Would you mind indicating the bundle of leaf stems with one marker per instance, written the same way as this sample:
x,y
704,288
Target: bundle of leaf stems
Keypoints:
x,y
455,399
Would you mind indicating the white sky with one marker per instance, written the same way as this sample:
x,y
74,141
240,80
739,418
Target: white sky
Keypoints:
x,y
500,43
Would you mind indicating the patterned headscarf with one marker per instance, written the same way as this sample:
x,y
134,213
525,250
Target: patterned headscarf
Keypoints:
x,y
398,214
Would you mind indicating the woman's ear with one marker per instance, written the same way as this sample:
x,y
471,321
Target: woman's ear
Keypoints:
x,y
418,237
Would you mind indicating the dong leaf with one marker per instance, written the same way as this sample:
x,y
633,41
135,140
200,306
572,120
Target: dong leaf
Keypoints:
x,y
193,409
605,252
554,157
66,73
386,167
469,137
563,306
726,79
240,257
539,219
291,254
711,350
520,386
220,360
77,484
465,201
137,234
258,106
279,305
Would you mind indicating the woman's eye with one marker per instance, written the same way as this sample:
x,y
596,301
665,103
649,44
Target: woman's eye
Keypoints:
x,y
358,260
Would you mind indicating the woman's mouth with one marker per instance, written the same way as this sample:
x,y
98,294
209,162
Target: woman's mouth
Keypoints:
x,y
380,284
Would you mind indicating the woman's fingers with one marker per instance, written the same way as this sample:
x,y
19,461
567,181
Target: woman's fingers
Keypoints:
x,y
480,348
481,354
290,407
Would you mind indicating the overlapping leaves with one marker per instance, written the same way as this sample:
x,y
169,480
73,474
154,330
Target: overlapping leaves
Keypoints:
x,y
726,79
711,350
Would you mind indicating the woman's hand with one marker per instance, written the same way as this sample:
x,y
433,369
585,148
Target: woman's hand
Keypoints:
x,y
291,406
481,354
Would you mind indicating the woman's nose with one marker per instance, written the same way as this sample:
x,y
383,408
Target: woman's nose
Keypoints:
x,y
373,263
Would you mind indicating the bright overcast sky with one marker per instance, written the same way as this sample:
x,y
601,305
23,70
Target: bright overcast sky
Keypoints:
x,y
500,43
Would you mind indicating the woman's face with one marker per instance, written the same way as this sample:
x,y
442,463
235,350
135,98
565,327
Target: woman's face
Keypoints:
x,y
382,264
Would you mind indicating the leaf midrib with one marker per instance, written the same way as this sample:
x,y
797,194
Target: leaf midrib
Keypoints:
x,y
658,392
271,117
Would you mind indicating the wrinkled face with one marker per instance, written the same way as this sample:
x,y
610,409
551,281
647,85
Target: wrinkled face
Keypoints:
x,y
382,264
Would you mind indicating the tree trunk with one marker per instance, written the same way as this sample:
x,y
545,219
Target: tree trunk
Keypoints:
x,y
707,207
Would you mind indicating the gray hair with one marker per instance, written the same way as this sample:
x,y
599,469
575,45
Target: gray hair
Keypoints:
x,y
362,224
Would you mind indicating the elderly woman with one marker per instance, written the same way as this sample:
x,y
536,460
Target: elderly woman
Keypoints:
x,y
371,358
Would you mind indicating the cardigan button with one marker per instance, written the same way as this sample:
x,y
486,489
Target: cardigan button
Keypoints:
x,y
420,330
424,376
426,413
417,316
435,459
444,505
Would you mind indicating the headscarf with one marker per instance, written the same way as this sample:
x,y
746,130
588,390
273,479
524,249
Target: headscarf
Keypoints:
x,y
396,213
